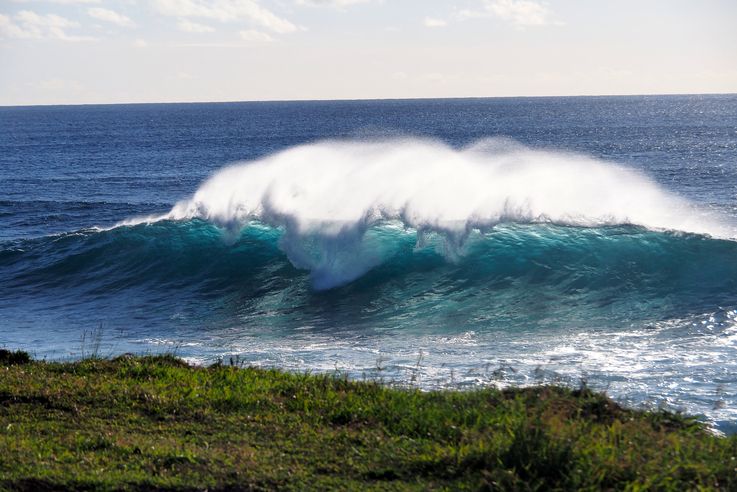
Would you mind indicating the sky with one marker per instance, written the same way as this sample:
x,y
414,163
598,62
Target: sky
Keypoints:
x,y
121,51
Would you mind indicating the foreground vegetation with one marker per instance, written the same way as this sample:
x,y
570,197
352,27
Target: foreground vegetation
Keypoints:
x,y
142,423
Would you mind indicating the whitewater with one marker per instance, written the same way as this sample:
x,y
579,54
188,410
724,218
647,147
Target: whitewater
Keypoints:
x,y
325,196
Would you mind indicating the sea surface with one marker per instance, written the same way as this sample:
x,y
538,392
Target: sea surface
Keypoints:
x,y
433,243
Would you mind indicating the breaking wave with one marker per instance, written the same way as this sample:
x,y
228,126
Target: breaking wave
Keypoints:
x,y
497,224
324,198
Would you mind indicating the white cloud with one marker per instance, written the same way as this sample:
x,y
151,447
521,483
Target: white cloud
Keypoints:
x,y
226,11
140,43
8,29
432,22
520,13
111,16
61,2
30,25
331,3
255,36
189,26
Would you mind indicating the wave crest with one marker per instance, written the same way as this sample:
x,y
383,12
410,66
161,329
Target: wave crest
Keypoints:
x,y
327,195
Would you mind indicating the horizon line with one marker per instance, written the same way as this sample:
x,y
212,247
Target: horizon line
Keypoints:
x,y
377,99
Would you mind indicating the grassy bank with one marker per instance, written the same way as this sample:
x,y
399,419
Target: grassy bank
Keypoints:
x,y
143,423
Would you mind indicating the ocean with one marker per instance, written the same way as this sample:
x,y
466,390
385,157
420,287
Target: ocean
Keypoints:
x,y
449,243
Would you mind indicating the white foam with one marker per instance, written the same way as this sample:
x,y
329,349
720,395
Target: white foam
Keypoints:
x,y
331,192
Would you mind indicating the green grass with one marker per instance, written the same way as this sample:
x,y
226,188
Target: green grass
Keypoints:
x,y
142,423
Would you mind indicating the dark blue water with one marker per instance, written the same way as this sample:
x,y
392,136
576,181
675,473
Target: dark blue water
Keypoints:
x,y
439,242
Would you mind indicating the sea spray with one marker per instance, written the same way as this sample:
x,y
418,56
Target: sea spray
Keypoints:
x,y
325,196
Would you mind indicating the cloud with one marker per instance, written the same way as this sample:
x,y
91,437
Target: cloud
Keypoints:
x,y
111,16
189,26
520,13
226,11
61,2
30,25
431,22
10,30
331,3
255,36
140,43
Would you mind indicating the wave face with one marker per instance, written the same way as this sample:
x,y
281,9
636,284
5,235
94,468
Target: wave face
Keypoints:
x,y
514,272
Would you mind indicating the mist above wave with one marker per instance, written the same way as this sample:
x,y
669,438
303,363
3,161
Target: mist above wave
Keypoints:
x,y
325,196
